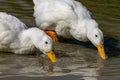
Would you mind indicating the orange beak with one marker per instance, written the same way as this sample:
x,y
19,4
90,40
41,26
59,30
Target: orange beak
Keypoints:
x,y
52,56
101,51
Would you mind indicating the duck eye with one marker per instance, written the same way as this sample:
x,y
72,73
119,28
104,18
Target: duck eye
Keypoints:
x,y
96,35
46,42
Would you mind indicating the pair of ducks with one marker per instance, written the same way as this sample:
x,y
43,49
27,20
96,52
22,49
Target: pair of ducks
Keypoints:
x,y
70,17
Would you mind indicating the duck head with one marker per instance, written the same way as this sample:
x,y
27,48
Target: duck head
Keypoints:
x,y
43,43
95,35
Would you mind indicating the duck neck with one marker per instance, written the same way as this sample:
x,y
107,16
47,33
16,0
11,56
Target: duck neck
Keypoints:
x,y
78,30
25,40
29,38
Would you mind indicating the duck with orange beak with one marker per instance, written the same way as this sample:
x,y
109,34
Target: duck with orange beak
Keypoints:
x,y
16,37
71,20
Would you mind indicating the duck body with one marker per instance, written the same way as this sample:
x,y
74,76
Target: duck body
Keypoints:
x,y
10,31
65,15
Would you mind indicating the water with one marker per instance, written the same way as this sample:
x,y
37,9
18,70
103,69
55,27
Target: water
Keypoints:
x,y
76,60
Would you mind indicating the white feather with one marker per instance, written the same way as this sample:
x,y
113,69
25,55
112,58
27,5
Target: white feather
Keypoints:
x,y
14,37
70,17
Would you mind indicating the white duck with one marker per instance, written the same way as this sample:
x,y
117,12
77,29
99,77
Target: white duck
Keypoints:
x,y
15,38
71,19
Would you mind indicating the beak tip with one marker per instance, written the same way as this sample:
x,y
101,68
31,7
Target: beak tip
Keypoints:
x,y
105,58
54,60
